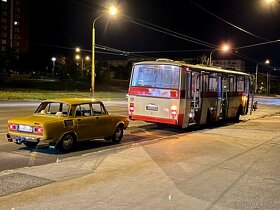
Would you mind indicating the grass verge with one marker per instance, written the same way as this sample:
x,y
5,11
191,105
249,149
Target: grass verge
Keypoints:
x,y
48,94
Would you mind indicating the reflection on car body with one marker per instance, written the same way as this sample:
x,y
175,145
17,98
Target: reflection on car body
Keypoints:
x,y
63,122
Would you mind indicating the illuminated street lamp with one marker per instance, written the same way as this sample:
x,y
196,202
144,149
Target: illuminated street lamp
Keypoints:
x,y
78,57
77,49
53,60
257,69
112,11
225,48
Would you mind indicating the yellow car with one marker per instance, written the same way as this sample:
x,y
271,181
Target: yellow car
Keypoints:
x,y
63,122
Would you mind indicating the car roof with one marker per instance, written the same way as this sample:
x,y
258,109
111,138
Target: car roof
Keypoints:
x,y
73,101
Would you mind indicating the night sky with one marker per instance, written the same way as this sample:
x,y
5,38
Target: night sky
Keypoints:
x,y
66,24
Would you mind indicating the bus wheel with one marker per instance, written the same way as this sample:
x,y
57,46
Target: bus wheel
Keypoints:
x,y
209,118
237,115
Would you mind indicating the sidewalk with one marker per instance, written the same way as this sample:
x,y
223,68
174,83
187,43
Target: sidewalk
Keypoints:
x,y
41,180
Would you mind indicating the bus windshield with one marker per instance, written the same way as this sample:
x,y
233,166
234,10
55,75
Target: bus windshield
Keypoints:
x,y
156,76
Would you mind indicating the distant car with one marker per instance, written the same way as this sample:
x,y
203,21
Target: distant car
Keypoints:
x,y
63,122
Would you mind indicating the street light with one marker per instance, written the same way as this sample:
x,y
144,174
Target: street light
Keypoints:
x,y
78,57
257,69
225,48
112,11
53,60
268,81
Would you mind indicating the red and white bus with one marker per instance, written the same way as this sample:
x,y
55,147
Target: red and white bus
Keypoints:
x,y
177,93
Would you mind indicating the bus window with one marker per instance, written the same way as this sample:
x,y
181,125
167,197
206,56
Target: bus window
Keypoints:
x,y
195,82
247,86
213,82
232,84
156,76
225,84
189,84
205,83
240,83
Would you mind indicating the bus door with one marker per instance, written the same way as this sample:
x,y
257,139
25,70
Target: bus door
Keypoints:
x,y
224,98
196,89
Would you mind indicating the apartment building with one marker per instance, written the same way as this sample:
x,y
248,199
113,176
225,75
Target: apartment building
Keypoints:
x,y
14,37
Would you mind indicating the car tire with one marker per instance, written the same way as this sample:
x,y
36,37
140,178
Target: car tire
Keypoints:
x,y
118,134
67,142
31,145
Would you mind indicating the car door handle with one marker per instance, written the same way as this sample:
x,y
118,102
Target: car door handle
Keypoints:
x,y
97,118
79,120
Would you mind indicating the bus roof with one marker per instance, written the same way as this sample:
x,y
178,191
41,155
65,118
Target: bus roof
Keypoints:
x,y
197,66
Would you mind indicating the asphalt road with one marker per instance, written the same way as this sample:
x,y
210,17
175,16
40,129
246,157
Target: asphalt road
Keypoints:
x,y
231,166
14,156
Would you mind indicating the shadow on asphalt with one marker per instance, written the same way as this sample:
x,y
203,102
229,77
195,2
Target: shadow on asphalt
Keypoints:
x,y
137,136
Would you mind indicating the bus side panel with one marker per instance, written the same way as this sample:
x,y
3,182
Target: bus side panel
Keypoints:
x,y
204,110
187,111
234,103
209,109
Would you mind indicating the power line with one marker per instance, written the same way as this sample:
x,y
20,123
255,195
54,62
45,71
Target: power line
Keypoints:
x,y
237,27
169,32
258,44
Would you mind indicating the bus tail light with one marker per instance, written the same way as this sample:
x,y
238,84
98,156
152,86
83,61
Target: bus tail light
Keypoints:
x,y
173,111
131,108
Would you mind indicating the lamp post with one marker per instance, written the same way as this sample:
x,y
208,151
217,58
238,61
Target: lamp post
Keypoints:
x,y
112,11
78,57
257,69
53,60
224,48
268,81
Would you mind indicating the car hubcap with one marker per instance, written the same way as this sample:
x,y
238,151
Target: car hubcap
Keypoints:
x,y
118,133
67,142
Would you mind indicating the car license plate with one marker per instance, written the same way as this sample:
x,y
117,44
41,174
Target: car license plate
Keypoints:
x,y
152,108
25,128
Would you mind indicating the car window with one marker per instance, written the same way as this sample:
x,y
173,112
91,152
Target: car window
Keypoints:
x,y
53,108
98,109
83,110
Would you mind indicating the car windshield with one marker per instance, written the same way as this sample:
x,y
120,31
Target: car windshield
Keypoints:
x,y
53,108
156,76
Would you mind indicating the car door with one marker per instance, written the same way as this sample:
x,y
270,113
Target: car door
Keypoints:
x,y
103,124
85,121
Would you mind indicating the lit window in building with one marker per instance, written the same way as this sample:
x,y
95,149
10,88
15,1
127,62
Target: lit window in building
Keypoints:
x,y
4,0
16,23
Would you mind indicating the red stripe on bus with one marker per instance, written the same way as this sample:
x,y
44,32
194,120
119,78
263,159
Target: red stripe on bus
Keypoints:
x,y
153,92
153,119
181,119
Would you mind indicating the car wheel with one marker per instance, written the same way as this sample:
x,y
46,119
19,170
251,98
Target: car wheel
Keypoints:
x,y
67,142
31,145
118,134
